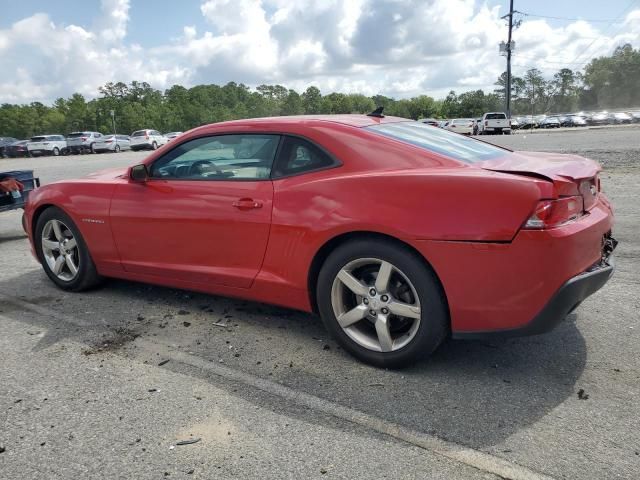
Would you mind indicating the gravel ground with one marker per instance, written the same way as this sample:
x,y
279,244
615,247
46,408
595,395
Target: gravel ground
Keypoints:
x,y
95,356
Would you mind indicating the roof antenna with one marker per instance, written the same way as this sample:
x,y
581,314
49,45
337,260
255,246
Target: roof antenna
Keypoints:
x,y
376,113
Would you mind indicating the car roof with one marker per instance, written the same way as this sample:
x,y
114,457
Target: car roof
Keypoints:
x,y
353,120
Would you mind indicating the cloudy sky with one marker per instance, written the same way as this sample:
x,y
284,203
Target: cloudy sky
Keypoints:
x,y
398,48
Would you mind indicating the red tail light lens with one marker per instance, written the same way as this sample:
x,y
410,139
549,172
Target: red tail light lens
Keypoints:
x,y
486,122
84,139
553,213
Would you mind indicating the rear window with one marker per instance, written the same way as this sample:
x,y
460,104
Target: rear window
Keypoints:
x,y
139,133
37,139
495,116
439,141
78,134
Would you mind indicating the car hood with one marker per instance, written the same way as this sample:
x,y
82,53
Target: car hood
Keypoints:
x,y
553,166
109,174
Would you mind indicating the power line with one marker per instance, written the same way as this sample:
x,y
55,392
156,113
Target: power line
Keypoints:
x,y
571,19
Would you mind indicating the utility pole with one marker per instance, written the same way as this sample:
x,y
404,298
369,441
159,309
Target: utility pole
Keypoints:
x,y
509,45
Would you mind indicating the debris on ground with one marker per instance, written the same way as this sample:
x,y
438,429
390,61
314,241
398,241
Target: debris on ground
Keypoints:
x,y
323,471
376,385
582,395
139,318
183,312
2,449
151,390
326,347
163,362
186,324
218,324
189,441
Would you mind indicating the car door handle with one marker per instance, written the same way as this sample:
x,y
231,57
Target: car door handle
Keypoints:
x,y
247,204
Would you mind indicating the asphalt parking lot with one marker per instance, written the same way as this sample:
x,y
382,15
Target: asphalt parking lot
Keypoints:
x,y
104,384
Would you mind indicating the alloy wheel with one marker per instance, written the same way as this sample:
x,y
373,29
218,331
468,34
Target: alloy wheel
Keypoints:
x,y
376,304
60,250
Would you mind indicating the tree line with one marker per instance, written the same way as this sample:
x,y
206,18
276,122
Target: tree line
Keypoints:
x,y
605,82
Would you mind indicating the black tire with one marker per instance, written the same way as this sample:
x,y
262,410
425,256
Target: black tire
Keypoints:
x,y
154,146
434,320
117,149
87,276
92,148
55,151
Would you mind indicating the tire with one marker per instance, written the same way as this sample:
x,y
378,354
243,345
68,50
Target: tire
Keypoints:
x,y
117,149
55,151
411,282
86,275
154,146
92,148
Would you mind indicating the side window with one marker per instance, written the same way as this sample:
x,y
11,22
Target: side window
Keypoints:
x,y
155,132
298,155
220,157
98,135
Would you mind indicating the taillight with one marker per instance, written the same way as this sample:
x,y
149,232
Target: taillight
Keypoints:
x,y
486,122
108,141
553,213
146,136
83,139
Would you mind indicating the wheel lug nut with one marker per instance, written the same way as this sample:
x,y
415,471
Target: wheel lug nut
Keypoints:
x,y
372,313
384,298
372,292
385,311
365,301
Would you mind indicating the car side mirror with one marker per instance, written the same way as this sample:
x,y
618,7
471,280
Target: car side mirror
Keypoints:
x,y
139,173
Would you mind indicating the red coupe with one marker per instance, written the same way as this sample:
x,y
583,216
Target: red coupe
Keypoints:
x,y
397,233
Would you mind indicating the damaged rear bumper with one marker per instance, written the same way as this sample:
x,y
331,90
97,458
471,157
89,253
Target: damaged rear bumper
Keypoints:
x,y
566,299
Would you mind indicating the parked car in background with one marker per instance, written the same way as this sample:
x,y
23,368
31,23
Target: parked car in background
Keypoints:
x,y
443,123
601,118
495,123
515,123
430,121
576,121
527,121
171,135
149,139
461,125
635,116
47,145
550,122
113,143
5,142
17,149
620,118
82,142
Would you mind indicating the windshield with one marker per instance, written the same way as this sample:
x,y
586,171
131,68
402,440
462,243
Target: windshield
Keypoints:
x,y
439,141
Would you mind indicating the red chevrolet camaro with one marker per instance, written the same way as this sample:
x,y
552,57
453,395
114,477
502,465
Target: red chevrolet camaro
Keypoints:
x,y
397,233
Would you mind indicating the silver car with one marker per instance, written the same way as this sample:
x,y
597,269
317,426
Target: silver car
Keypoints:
x,y
112,143
171,135
81,142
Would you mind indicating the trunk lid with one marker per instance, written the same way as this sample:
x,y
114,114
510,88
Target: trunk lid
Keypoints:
x,y
570,174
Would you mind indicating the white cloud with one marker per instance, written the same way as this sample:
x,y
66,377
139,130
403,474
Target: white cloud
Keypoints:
x,y
397,48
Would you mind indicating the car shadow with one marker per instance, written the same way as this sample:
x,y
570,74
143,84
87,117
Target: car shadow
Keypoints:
x,y
476,393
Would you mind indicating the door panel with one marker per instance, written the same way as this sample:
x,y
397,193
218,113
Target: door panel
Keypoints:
x,y
191,230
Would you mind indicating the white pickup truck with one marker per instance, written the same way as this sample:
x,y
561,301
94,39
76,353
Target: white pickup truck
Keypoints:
x,y
494,123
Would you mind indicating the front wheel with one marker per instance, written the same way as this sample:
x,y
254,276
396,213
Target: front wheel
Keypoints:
x,y
56,151
154,146
382,303
117,148
63,252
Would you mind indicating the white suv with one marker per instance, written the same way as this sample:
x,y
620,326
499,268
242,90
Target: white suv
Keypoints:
x,y
81,142
47,145
147,139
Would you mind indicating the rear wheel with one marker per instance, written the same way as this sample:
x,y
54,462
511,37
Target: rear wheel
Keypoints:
x,y
154,146
117,148
63,253
55,151
382,303
92,148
